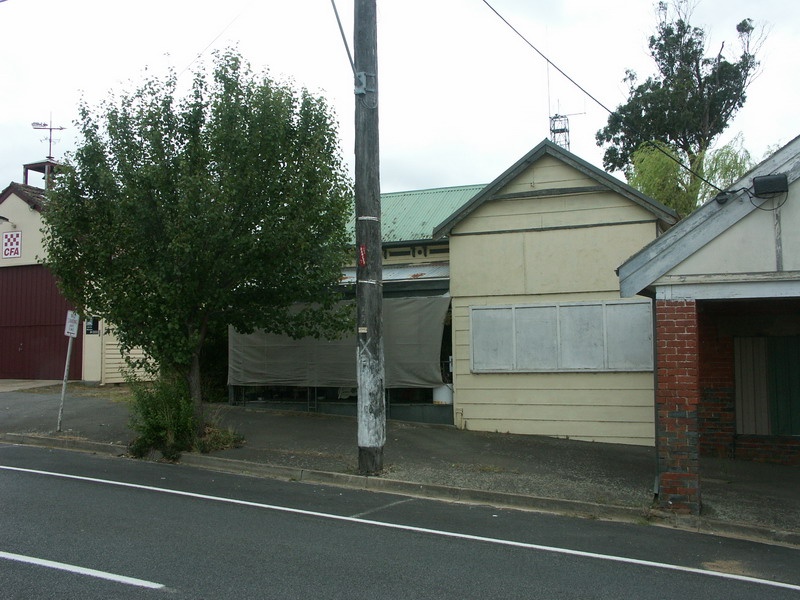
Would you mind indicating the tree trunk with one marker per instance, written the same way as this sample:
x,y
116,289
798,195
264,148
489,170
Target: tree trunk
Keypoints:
x,y
196,393
195,379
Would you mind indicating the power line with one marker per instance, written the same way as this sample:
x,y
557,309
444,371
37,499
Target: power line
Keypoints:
x,y
219,35
600,104
344,37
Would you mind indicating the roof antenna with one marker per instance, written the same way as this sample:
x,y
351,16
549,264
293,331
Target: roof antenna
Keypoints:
x,y
50,129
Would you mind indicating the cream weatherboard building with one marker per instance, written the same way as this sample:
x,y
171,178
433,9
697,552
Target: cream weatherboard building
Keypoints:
x,y
543,342
540,338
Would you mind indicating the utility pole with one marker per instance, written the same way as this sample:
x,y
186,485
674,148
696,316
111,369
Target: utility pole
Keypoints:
x,y
369,286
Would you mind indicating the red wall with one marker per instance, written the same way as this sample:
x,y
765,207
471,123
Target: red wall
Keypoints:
x,y
32,317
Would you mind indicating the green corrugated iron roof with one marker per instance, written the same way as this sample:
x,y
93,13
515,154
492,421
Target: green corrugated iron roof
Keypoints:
x,y
411,216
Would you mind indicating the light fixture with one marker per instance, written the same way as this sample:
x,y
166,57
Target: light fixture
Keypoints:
x,y
767,186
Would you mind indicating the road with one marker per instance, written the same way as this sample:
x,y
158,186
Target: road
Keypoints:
x,y
80,526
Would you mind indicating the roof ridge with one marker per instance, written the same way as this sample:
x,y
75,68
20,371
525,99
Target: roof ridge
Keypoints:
x,y
435,189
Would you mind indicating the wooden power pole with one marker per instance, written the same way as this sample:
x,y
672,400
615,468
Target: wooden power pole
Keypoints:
x,y
369,290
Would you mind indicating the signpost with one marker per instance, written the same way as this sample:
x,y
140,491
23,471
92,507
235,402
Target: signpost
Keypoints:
x,y
71,331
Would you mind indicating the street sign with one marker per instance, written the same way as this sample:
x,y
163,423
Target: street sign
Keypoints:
x,y
71,331
73,320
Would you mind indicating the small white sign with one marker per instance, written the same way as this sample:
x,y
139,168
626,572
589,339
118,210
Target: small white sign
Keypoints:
x,y
73,320
12,244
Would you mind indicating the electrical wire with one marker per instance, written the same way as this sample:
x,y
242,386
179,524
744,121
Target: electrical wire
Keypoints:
x,y
600,104
219,35
752,198
344,37
361,98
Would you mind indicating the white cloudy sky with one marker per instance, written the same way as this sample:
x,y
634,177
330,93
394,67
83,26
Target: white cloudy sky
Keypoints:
x,y
462,97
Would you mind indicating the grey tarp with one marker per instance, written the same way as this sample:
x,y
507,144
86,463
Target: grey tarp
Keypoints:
x,y
412,332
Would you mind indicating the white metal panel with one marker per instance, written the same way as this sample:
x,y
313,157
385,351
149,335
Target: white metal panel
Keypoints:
x,y
493,339
582,343
629,330
536,333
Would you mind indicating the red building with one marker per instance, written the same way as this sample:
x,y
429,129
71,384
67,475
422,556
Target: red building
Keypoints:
x,y
32,310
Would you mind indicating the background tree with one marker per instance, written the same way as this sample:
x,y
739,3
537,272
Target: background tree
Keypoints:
x,y
179,215
689,102
656,171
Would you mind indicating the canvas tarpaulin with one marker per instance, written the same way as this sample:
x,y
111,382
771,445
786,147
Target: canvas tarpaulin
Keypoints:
x,y
412,337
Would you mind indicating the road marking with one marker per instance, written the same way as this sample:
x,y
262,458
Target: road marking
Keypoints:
x,y
81,570
425,530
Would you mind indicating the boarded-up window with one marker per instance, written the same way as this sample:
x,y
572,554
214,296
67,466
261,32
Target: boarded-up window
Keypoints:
x,y
587,336
495,329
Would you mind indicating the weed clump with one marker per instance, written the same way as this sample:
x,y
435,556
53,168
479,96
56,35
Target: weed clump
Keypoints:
x,y
163,417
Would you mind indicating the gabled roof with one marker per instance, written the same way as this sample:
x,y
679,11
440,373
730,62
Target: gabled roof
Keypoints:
x,y
410,216
702,226
666,215
33,196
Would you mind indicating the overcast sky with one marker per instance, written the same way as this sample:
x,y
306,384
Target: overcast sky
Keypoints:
x,y
461,96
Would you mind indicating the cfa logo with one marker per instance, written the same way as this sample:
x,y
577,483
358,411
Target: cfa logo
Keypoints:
x,y
12,244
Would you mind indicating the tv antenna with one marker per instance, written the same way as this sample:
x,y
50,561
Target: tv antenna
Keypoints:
x,y
50,128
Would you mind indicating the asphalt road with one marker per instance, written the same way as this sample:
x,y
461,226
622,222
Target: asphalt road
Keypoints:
x,y
150,530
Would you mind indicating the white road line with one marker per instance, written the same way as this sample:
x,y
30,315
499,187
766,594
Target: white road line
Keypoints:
x,y
81,570
411,528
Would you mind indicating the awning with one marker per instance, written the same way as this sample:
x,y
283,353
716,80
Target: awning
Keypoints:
x,y
412,329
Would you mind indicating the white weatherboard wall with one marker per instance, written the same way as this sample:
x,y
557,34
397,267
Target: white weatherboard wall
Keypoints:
x,y
558,249
26,222
763,247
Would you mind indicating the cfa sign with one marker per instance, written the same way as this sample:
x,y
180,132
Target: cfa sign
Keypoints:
x,y
12,244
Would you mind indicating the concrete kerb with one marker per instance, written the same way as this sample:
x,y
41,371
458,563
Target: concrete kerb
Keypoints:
x,y
728,529
420,490
436,492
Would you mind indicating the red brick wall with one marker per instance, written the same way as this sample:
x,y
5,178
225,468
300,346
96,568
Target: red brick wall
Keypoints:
x,y
717,410
677,399
782,450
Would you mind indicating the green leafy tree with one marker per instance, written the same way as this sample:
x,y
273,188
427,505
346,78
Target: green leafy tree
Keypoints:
x,y
655,170
179,215
689,102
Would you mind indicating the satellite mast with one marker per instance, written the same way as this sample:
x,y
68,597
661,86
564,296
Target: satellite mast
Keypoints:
x,y
559,130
